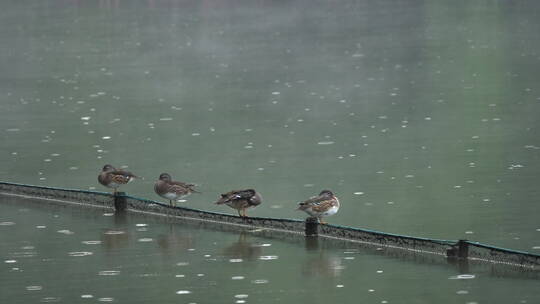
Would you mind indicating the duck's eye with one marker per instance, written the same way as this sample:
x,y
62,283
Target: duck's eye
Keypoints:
x,y
223,195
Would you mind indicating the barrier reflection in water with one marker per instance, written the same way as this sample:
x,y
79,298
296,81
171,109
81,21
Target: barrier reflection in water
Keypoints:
x,y
387,242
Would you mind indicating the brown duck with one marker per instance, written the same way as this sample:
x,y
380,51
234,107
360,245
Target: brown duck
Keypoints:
x,y
324,204
241,200
111,177
172,190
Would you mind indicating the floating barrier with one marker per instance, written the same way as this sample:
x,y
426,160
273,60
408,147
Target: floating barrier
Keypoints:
x,y
458,250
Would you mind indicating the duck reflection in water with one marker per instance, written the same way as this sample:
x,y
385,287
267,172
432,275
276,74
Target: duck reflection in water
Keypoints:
x,y
175,241
118,236
243,249
320,263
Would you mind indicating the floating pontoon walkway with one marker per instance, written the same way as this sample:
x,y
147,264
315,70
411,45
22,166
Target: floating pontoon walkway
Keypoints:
x,y
459,250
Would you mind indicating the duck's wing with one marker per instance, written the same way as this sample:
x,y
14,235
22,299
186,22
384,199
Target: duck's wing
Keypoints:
x,y
124,173
319,203
316,200
178,189
244,194
121,176
181,188
188,187
322,206
230,196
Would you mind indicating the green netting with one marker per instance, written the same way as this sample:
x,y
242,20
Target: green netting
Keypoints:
x,y
447,248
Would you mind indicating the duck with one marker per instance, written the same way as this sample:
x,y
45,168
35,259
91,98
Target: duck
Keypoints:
x,y
243,249
172,190
241,200
111,177
324,204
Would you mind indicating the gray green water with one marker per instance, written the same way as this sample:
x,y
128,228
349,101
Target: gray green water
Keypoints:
x,y
421,115
85,255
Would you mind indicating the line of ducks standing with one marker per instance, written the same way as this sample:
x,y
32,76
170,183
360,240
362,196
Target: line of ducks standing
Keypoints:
x,y
324,204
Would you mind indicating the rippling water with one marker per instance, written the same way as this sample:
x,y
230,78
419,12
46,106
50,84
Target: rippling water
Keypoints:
x,y
199,263
421,116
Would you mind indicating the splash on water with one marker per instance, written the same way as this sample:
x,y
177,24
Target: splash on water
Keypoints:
x,y
106,299
241,296
109,272
91,242
50,299
66,232
80,253
114,232
462,277
268,257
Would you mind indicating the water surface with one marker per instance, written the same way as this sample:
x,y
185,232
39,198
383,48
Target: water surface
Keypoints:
x,y
421,116
70,254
